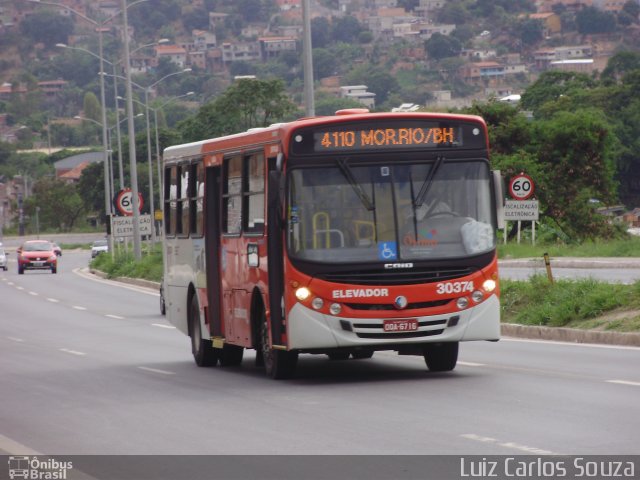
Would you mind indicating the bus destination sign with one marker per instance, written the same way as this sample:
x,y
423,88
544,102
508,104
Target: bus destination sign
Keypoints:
x,y
386,136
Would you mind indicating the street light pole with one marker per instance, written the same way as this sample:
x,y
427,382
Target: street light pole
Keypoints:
x,y
158,156
137,252
107,184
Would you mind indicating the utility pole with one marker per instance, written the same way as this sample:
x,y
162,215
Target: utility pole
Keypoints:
x,y
309,103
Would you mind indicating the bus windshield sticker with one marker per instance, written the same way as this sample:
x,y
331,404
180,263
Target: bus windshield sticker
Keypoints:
x,y
387,251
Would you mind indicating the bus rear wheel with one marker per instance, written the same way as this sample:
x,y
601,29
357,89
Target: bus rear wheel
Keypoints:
x,y
441,357
279,364
202,349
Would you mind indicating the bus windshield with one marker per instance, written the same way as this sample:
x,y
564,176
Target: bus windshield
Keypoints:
x,y
380,212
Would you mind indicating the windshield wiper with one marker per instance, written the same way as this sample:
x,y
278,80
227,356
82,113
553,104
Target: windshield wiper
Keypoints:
x,y
348,174
424,189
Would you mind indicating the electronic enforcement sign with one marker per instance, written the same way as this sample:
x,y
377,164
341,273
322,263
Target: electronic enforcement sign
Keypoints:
x,y
387,135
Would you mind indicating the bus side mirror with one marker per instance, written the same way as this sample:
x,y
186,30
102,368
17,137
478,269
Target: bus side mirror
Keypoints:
x,y
498,192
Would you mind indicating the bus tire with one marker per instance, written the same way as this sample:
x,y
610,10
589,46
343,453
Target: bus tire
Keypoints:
x,y
278,364
441,357
231,355
203,352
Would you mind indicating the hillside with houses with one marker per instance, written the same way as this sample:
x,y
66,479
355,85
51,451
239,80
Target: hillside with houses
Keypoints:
x,y
386,55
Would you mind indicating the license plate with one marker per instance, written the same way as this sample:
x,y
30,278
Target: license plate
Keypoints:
x,y
38,264
405,325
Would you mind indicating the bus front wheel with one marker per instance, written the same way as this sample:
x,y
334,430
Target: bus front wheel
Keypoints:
x,y
441,357
203,352
279,364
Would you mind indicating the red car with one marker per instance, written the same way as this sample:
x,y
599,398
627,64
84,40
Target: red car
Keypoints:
x,y
37,255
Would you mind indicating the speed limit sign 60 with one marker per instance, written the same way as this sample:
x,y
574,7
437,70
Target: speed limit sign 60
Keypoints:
x,y
124,202
521,187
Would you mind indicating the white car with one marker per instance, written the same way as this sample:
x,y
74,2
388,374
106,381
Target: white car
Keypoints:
x,y
98,247
3,259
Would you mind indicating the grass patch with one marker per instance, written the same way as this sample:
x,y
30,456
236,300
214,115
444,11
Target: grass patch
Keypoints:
x,y
571,303
149,267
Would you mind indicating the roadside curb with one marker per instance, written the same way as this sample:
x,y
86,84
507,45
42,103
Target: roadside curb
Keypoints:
x,y
571,335
139,282
572,262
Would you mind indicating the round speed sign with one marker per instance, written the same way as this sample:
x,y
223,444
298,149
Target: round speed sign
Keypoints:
x,y
124,202
521,187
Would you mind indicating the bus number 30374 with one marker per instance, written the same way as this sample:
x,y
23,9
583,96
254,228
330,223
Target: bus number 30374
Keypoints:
x,y
454,287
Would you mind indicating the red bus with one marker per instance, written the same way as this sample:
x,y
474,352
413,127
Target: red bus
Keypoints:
x,y
340,235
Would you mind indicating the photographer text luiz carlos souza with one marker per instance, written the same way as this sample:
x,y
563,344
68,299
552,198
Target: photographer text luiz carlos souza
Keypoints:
x,y
550,467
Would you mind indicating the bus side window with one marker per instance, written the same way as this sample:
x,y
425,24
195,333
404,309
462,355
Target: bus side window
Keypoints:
x,y
254,187
232,195
170,198
197,199
184,212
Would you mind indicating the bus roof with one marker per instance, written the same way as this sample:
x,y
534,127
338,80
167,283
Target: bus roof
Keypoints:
x,y
278,131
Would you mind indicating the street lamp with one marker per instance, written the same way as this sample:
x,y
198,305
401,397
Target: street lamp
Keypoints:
x,y
115,90
150,163
158,157
100,28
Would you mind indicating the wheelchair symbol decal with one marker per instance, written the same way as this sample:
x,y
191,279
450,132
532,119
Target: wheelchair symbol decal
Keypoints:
x,y
387,251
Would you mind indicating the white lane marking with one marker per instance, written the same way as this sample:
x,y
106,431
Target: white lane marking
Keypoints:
x,y
573,344
72,352
35,294
479,438
155,370
163,326
20,288
10,283
624,382
53,300
77,307
116,317
15,448
15,339
83,272
511,445
471,364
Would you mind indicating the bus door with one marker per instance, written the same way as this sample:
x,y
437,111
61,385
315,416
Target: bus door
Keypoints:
x,y
212,247
243,223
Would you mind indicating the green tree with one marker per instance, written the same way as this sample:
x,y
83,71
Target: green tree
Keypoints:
x,y
575,151
59,202
440,46
593,20
619,65
377,79
47,27
90,188
320,32
91,107
530,31
553,85
245,104
509,130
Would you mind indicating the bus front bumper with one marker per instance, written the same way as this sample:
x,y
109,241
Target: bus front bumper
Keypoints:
x,y
309,329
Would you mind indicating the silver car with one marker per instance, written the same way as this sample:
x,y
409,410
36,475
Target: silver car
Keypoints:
x,y
3,259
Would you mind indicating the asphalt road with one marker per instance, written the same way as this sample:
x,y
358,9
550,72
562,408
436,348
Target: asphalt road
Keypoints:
x,y
91,367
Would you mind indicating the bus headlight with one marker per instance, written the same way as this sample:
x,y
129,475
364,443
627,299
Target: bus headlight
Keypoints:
x,y
489,285
477,296
462,303
317,303
302,293
335,309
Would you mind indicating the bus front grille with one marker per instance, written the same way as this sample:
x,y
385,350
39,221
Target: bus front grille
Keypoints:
x,y
396,277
